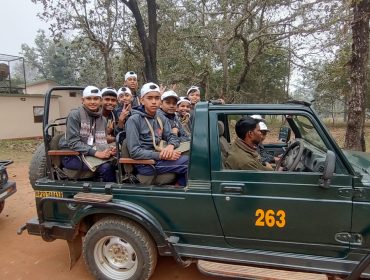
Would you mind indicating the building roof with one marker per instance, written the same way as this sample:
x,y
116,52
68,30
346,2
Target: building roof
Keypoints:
x,y
46,81
27,95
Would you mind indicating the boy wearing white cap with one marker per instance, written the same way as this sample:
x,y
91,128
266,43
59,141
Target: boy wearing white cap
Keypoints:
x,y
193,94
183,111
146,130
168,110
132,84
124,108
85,133
109,103
124,96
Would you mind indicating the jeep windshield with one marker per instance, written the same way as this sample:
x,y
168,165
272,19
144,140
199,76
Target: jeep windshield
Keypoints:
x,y
308,132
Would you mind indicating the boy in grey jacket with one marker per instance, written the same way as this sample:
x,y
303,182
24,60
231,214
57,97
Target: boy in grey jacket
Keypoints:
x,y
145,130
86,134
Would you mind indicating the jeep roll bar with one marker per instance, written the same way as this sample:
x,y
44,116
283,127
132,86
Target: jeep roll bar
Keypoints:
x,y
45,120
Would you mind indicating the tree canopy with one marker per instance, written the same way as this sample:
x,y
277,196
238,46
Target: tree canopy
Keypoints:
x,y
242,51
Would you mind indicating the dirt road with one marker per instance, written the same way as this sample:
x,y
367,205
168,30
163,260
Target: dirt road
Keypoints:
x,y
29,257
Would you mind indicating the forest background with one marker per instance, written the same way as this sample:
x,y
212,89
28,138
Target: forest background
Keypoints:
x,y
256,51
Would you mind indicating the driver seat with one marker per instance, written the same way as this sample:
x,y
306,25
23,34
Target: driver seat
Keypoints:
x,y
224,144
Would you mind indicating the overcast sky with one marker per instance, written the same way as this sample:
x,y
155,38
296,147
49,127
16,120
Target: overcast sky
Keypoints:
x,y
18,24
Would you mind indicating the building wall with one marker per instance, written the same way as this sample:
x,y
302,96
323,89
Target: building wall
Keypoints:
x,y
16,112
66,103
40,87
17,120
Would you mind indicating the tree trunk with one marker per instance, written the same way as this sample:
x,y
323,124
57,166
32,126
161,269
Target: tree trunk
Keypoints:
x,y
222,53
153,31
108,69
345,110
360,48
148,43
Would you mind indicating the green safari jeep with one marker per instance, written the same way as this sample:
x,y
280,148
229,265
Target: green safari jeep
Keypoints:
x,y
313,217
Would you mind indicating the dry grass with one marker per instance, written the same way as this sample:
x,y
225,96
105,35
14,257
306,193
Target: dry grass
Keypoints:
x,y
17,149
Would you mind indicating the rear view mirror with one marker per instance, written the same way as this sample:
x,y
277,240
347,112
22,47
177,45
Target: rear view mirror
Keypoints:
x,y
328,172
284,134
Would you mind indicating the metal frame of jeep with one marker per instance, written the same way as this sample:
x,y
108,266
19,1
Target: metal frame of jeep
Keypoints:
x,y
7,188
209,192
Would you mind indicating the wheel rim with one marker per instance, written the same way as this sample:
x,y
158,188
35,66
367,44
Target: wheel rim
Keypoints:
x,y
115,257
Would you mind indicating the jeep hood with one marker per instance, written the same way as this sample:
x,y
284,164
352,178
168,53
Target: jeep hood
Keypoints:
x,y
360,161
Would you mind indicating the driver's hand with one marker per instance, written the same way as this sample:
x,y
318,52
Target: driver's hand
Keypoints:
x,y
276,159
269,166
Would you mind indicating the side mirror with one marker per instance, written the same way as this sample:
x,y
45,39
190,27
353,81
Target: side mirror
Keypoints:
x,y
329,168
284,134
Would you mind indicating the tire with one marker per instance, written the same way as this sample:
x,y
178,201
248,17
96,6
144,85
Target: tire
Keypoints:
x,y
37,168
2,204
117,248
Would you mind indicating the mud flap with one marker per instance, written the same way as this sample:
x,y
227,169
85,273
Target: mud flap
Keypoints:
x,y
75,249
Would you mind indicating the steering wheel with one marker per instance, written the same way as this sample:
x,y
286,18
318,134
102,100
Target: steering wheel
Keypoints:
x,y
292,156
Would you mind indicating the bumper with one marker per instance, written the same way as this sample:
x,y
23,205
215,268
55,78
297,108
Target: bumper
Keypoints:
x,y
7,190
50,231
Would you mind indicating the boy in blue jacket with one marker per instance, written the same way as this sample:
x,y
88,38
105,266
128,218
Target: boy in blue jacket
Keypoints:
x,y
146,129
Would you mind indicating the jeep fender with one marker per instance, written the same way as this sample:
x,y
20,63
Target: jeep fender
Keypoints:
x,y
125,209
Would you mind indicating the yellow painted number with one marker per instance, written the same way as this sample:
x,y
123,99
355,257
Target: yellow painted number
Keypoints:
x,y
281,222
269,218
260,214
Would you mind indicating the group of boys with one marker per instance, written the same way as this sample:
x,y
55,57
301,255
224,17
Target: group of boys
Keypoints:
x,y
154,123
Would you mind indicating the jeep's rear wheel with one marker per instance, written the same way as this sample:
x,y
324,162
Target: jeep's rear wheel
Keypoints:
x,y
37,165
115,248
2,204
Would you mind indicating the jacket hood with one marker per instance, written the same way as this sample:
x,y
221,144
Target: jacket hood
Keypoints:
x,y
360,161
140,110
167,115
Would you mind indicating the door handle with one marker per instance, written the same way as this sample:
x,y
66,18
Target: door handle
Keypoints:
x,y
232,188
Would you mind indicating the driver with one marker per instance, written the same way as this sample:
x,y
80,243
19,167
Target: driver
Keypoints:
x,y
243,154
265,156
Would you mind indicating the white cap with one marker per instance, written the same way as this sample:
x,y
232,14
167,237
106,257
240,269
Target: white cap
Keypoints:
x,y
104,91
91,91
257,117
169,93
124,90
192,88
183,99
130,74
149,87
263,126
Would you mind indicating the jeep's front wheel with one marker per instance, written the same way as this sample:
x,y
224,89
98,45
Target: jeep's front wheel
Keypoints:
x,y
115,248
